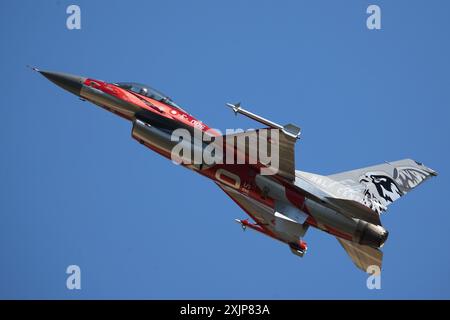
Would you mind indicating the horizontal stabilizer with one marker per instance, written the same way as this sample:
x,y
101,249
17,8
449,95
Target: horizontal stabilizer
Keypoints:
x,y
362,256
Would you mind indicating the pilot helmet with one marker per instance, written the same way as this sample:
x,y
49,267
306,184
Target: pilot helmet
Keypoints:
x,y
143,91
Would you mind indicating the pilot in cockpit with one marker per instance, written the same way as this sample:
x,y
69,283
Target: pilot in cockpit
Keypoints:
x,y
143,91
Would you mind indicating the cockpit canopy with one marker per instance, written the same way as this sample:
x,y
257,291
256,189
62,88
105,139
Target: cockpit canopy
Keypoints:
x,y
148,91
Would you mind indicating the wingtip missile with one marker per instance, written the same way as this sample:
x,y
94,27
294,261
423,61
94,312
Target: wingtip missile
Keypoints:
x,y
235,107
288,129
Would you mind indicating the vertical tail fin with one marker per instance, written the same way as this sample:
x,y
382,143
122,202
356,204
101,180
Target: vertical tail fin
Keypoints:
x,y
382,184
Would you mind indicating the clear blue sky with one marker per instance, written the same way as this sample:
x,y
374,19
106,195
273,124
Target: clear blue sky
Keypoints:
x,y
76,189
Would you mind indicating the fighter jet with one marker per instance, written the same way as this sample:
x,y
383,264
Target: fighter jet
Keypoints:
x,y
281,202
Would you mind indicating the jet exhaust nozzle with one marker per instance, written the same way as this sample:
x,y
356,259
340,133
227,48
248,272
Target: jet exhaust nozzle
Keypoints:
x,y
370,235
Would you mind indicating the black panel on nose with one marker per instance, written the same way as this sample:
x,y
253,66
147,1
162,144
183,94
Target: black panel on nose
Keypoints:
x,y
66,81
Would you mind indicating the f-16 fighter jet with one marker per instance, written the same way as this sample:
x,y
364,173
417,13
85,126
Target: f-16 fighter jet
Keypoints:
x,y
281,202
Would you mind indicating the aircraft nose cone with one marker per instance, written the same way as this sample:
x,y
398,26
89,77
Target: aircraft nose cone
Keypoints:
x,y
66,81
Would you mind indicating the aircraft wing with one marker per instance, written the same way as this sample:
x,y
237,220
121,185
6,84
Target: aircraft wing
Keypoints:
x,y
275,226
283,166
362,256
288,135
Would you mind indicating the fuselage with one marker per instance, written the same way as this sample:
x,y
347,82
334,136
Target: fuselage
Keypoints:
x,y
155,117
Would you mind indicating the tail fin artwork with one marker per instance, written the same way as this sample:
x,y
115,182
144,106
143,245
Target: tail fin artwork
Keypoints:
x,y
382,184
379,186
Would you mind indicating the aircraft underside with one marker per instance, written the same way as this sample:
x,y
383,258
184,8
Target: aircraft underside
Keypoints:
x,y
282,202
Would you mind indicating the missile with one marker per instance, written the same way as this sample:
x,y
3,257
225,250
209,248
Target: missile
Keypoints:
x,y
242,223
245,223
288,129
